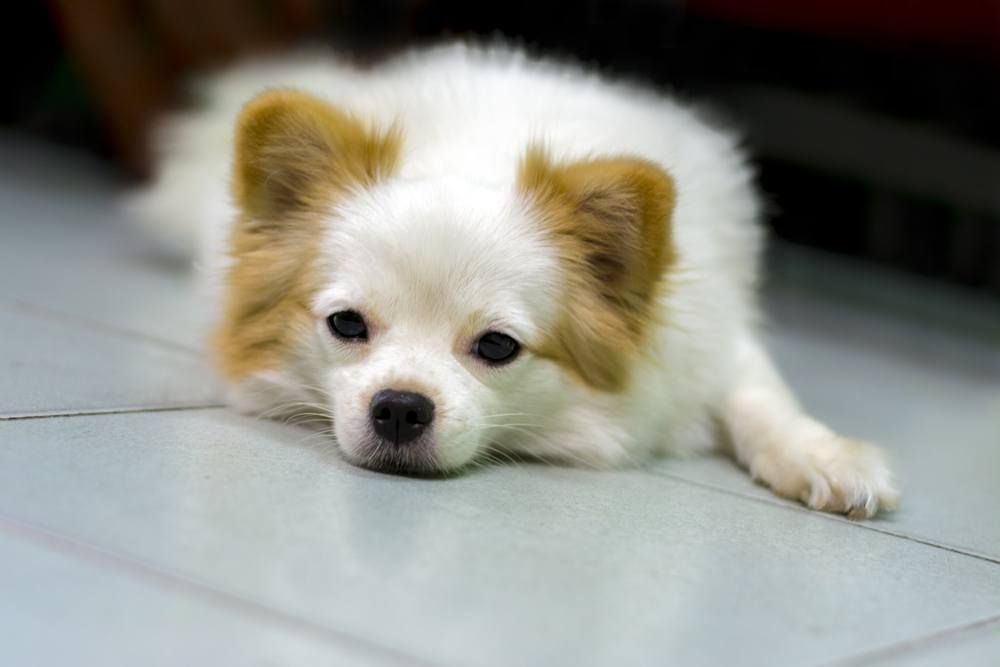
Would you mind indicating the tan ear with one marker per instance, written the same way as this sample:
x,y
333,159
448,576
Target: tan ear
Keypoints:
x,y
609,219
294,150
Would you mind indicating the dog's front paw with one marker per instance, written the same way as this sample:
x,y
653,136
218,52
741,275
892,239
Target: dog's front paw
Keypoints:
x,y
830,473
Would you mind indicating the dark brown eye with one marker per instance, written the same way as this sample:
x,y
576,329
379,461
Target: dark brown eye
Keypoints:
x,y
496,348
348,324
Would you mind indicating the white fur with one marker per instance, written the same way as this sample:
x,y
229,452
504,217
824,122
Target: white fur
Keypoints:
x,y
445,250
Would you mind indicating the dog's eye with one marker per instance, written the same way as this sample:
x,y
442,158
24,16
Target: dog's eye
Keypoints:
x,y
348,324
496,347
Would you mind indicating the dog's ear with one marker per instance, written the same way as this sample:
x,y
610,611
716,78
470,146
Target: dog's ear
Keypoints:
x,y
610,222
293,151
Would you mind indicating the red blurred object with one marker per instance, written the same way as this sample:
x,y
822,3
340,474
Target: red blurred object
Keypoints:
x,y
966,25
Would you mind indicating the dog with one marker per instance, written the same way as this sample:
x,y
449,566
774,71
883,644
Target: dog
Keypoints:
x,y
466,253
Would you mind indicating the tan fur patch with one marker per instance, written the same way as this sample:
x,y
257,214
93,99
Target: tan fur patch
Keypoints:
x,y
294,155
610,221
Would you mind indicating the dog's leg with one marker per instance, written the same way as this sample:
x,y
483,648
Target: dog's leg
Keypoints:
x,y
797,456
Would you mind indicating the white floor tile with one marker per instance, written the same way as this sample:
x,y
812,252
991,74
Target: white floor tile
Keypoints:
x,y
54,365
57,608
67,248
977,647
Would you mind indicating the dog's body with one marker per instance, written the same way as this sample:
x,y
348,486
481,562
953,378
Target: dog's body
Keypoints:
x,y
394,232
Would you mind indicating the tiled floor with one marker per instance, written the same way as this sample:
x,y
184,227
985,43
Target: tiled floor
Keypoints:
x,y
141,523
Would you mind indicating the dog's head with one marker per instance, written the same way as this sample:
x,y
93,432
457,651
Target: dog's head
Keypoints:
x,y
433,320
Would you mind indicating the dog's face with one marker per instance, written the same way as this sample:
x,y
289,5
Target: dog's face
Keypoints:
x,y
433,297
436,320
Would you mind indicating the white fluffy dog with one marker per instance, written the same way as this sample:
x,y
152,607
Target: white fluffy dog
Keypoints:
x,y
466,252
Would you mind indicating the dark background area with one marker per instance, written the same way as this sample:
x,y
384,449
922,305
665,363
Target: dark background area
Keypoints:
x,y
875,125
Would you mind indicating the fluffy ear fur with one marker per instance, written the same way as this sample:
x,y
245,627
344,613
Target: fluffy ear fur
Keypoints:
x,y
609,219
294,155
293,150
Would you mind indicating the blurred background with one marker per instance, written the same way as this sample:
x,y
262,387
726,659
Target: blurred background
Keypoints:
x,y
875,124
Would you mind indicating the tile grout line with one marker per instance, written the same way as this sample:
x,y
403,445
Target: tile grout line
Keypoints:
x,y
922,641
164,578
49,313
112,411
831,517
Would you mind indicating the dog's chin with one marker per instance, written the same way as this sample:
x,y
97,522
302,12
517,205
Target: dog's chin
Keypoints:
x,y
416,460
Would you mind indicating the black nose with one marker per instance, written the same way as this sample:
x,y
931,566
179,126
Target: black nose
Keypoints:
x,y
400,416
